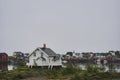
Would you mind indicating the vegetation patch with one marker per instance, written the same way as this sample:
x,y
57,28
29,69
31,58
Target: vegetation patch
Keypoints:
x,y
71,72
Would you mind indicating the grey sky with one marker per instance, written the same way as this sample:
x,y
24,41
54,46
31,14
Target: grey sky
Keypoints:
x,y
64,25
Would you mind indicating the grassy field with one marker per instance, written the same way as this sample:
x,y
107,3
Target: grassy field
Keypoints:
x,y
71,72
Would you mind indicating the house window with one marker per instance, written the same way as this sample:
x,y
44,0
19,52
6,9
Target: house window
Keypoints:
x,y
41,54
43,59
34,54
54,58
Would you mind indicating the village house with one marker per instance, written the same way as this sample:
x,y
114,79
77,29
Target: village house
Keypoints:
x,y
77,55
3,57
3,61
44,57
18,55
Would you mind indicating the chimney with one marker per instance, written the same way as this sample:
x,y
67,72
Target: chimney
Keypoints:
x,y
44,45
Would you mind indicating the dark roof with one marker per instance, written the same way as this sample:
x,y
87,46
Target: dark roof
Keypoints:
x,y
49,51
3,53
18,53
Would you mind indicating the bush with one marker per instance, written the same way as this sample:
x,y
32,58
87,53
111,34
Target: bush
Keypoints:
x,y
94,69
111,67
71,69
86,76
3,75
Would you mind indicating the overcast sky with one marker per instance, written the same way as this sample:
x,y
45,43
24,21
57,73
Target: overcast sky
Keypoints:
x,y
64,25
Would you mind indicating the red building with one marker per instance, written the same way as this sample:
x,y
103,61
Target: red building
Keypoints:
x,y
3,58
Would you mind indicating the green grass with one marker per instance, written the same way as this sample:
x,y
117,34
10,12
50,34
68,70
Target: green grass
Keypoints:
x,y
71,72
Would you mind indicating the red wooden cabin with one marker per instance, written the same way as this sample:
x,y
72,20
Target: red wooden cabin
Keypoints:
x,y
3,57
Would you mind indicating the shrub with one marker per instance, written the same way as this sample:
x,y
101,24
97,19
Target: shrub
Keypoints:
x,y
94,69
71,69
111,67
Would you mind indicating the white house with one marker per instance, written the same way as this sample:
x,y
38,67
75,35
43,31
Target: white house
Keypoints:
x,y
43,56
77,55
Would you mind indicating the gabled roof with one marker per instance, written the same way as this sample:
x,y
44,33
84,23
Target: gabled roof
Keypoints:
x,y
49,51
3,54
